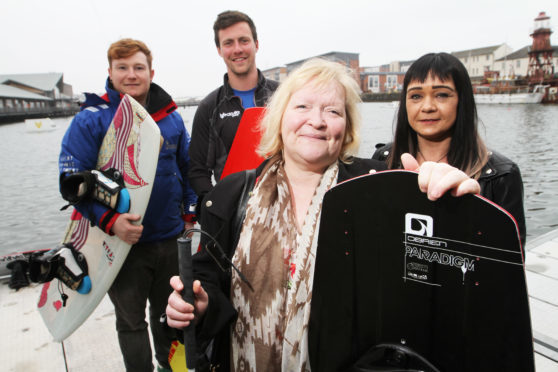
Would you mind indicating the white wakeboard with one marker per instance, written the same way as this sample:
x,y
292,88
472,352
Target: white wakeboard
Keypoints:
x,y
131,145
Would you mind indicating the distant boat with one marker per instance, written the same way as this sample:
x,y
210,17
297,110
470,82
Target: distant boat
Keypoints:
x,y
39,125
508,95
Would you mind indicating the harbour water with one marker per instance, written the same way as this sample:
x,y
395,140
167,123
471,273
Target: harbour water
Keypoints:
x,y
30,202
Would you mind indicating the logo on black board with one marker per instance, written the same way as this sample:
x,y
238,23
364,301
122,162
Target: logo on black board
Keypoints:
x,y
424,252
419,224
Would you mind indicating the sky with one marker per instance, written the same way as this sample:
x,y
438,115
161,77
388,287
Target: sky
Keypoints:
x,y
72,36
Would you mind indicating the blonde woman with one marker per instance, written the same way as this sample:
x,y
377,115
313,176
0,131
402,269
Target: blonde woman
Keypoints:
x,y
310,138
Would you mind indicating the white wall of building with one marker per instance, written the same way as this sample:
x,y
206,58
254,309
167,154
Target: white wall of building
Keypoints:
x,y
476,65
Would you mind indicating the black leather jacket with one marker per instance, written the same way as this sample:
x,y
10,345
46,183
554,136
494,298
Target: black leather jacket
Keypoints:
x,y
213,130
500,182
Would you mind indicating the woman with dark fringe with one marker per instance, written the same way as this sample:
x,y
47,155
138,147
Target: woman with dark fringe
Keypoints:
x,y
437,121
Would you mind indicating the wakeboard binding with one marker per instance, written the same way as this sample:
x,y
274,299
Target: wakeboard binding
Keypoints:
x,y
106,187
390,357
18,277
64,263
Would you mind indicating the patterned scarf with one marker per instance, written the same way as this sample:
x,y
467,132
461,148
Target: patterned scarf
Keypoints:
x,y
271,332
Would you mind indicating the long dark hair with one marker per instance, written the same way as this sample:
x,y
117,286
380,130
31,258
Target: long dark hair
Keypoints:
x,y
467,150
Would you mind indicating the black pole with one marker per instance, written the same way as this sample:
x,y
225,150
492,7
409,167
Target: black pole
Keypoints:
x,y
187,278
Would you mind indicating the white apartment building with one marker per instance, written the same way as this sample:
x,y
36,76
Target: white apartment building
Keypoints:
x,y
479,60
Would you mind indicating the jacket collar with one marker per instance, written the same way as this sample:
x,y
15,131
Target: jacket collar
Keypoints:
x,y
159,102
229,90
496,165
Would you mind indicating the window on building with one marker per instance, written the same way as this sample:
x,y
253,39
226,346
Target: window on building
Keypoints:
x,y
373,82
487,57
518,63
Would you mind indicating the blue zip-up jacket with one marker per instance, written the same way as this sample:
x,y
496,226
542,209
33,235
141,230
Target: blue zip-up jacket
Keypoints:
x,y
171,194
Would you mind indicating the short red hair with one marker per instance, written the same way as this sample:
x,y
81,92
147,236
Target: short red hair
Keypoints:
x,y
128,47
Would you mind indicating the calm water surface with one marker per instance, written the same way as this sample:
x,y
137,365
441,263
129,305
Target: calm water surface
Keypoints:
x,y
30,202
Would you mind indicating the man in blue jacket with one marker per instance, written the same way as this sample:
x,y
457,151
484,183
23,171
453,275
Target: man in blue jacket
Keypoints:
x,y
153,257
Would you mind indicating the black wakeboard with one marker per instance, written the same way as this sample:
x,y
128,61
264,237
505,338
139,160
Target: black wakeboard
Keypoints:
x,y
444,279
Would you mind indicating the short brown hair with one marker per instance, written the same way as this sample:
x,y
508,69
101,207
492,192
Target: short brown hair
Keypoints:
x,y
124,48
232,17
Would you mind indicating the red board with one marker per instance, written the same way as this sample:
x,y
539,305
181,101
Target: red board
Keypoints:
x,y
243,150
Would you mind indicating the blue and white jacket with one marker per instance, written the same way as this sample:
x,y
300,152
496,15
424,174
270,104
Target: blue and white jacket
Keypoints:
x,y
171,195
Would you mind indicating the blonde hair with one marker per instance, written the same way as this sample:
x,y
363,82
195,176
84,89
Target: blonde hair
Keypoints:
x,y
320,72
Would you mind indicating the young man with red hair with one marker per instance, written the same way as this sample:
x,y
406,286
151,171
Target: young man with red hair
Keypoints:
x,y
153,257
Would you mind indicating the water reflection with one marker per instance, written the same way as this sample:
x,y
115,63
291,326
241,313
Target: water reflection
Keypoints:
x,y
525,133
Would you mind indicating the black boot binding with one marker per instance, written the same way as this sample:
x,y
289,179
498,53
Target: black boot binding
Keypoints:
x,y
107,187
18,278
64,263
392,358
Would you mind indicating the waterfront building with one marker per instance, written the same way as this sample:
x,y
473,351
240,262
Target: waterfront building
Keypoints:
x,y
400,66
351,60
479,60
48,85
386,78
378,79
33,95
517,63
16,99
381,81
485,64
276,73
29,88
